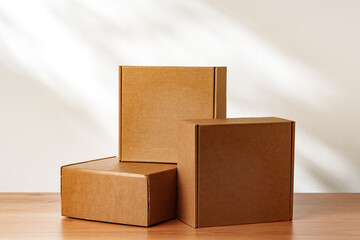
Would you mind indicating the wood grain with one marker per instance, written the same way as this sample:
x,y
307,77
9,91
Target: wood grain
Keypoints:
x,y
316,216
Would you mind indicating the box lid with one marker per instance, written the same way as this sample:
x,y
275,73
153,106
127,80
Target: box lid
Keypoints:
x,y
111,164
246,120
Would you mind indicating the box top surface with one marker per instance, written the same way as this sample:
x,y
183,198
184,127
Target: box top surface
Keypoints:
x,y
112,164
248,120
169,66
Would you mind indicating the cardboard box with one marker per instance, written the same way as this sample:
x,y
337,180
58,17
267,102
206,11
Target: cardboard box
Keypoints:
x,y
235,171
153,99
111,191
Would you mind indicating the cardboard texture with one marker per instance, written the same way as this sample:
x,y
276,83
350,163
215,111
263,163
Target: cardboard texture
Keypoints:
x,y
111,191
235,171
153,99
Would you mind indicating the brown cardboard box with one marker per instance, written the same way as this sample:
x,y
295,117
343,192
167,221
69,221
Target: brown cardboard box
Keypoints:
x,y
235,171
107,190
153,99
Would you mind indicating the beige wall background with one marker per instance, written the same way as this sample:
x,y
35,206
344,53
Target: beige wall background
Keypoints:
x,y
293,59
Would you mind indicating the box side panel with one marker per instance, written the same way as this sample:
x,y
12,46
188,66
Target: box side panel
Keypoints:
x,y
220,93
120,112
103,196
244,173
292,169
187,183
162,196
154,99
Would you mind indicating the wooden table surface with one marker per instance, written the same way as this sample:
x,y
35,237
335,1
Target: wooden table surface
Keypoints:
x,y
316,216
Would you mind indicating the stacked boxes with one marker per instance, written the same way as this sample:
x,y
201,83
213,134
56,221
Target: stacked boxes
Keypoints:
x,y
229,171
152,101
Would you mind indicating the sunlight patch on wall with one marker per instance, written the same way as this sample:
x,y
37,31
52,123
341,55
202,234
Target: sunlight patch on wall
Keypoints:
x,y
74,47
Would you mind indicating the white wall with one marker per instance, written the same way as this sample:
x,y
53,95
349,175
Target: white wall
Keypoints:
x,y
293,59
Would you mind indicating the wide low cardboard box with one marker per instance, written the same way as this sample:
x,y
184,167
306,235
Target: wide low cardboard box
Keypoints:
x,y
154,99
107,190
235,171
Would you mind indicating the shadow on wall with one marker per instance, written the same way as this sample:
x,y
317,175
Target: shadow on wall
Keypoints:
x,y
44,123
312,77
41,131
58,75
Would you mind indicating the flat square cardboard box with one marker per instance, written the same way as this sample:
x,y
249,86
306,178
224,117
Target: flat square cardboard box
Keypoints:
x,y
235,171
107,190
153,99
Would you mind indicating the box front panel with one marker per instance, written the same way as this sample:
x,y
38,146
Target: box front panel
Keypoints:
x,y
103,196
244,173
153,100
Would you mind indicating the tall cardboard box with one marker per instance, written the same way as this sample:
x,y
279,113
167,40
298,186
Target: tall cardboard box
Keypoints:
x,y
107,190
153,99
235,171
